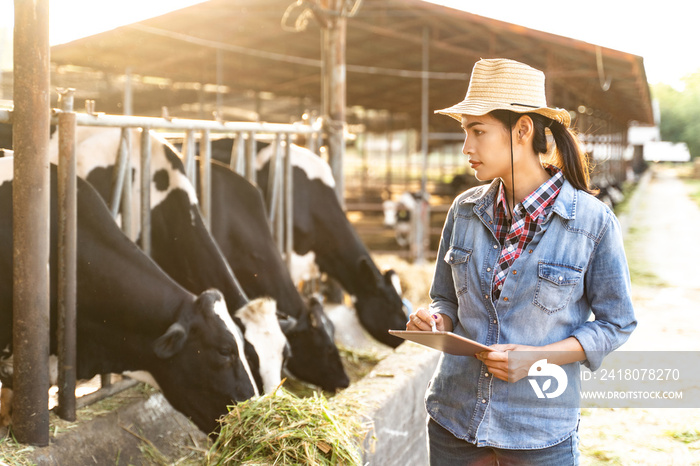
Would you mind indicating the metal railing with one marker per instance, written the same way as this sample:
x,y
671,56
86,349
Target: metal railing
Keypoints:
x,y
279,197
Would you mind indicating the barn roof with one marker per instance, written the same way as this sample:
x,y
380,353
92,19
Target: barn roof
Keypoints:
x,y
272,72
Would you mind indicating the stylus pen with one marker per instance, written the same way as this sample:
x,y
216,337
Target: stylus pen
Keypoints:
x,y
433,326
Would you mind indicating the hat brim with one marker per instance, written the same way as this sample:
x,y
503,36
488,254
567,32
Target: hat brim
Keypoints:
x,y
476,108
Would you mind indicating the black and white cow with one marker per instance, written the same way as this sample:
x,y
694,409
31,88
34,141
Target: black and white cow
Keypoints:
x,y
132,316
181,244
321,227
185,249
240,227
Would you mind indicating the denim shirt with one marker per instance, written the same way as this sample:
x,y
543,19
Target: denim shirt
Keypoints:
x,y
573,268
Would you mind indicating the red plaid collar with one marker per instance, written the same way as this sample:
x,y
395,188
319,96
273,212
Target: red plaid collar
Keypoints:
x,y
527,217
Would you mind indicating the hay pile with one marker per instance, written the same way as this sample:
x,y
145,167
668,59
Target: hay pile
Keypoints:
x,y
282,429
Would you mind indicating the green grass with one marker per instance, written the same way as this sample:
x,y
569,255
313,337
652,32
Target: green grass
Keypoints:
x,y
640,272
685,436
694,185
281,428
13,453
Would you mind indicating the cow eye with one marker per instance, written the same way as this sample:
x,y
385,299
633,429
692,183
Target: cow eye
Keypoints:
x,y
225,352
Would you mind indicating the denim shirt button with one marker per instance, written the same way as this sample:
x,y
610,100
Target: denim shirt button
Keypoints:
x,y
483,400
488,269
495,246
486,296
486,374
495,321
561,278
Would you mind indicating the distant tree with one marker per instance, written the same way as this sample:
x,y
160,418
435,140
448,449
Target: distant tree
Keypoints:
x,y
680,112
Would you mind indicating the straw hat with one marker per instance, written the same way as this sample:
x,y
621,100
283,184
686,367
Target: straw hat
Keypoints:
x,y
502,84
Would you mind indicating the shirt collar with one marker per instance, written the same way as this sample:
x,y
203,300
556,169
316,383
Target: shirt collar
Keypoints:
x,y
538,200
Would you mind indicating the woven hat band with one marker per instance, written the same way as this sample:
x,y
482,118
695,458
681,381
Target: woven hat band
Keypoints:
x,y
502,84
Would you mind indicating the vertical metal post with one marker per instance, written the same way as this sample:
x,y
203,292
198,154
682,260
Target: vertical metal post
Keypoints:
x,y
121,201
31,210
118,175
237,162
189,162
335,74
389,152
146,191
280,205
127,190
205,177
67,253
288,203
419,256
272,194
250,158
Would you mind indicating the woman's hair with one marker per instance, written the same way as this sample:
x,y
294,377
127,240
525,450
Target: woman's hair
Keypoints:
x,y
568,154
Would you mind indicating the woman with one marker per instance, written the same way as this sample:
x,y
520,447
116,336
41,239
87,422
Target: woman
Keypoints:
x,y
523,263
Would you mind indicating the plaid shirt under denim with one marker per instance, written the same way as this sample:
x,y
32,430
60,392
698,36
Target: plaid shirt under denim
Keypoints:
x,y
527,218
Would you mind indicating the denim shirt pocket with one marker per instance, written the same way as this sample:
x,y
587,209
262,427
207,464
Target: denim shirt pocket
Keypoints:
x,y
458,259
555,285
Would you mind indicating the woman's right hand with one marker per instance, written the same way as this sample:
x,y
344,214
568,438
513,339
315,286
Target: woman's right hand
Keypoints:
x,y
421,320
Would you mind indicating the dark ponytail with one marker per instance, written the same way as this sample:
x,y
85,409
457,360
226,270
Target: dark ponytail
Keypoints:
x,y
568,154
570,157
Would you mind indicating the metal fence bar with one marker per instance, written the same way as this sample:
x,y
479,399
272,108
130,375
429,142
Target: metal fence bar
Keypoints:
x,y
237,163
243,157
126,121
146,191
31,204
272,185
127,188
189,155
280,185
205,177
118,175
67,262
250,158
288,203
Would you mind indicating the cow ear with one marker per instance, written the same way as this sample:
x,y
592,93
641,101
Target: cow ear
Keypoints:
x,y
393,279
171,341
369,275
287,322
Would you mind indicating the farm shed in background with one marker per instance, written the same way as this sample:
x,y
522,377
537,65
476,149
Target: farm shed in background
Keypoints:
x,y
242,60
268,60
247,53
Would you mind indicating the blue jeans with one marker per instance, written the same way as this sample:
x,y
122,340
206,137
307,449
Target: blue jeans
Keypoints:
x,y
447,450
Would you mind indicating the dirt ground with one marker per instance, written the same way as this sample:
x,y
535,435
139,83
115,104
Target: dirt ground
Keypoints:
x,y
660,227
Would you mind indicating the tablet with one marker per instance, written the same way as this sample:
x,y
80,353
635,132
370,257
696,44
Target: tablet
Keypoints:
x,y
447,342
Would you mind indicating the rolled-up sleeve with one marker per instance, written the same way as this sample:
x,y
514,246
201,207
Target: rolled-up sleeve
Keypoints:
x,y
608,291
442,291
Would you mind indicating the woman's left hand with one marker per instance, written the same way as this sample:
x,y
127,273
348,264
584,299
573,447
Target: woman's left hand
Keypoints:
x,y
497,361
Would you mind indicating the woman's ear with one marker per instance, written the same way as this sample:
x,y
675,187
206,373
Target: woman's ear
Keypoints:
x,y
524,129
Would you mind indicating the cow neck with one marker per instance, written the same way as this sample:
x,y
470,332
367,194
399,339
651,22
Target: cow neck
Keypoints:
x,y
240,227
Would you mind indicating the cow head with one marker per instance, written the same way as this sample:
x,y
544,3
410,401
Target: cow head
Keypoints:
x,y
380,307
262,330
201,369
315,358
